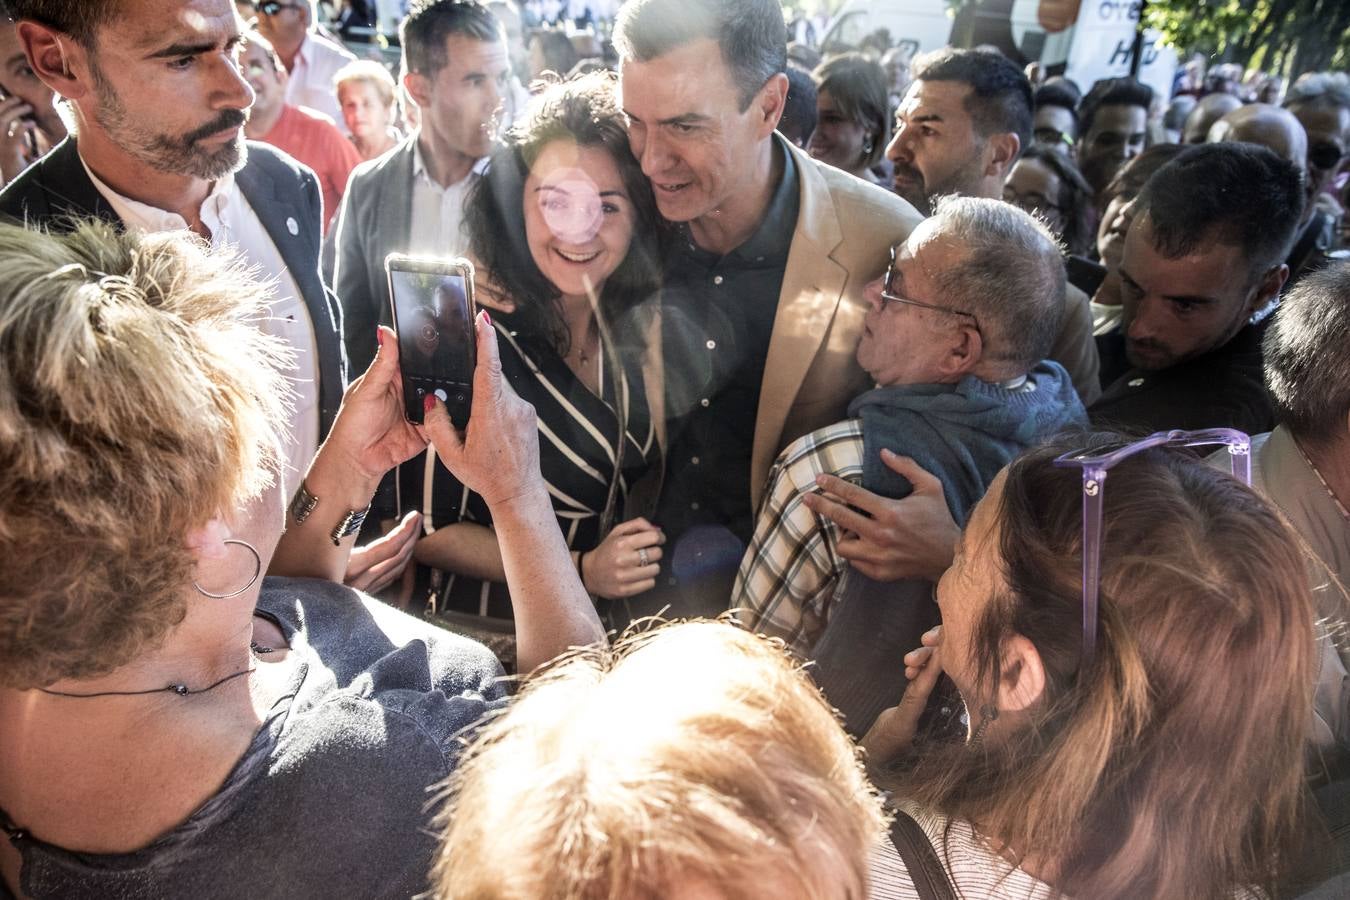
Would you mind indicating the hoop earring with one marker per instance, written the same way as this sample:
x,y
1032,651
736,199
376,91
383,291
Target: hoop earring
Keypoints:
x,y
257,573
987,714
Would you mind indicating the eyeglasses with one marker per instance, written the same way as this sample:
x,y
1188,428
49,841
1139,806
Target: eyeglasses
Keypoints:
x,y
1096,461
1052,137
889,295
272,7
1032,203
1325,156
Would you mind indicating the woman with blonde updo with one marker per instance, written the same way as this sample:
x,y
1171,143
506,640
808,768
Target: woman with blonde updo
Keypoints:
x,y
175,724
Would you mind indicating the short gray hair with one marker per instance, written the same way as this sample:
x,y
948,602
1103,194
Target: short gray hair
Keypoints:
x,y
1307,355
1011,276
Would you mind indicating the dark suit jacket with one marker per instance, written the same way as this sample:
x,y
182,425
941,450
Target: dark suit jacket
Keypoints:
x,y
55,192
376,220
1224,388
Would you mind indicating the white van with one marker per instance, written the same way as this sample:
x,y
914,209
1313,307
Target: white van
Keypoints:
x,y
1086,40
914,25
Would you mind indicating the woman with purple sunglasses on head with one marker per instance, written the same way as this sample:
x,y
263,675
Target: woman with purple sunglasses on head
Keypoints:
x,y
1159,755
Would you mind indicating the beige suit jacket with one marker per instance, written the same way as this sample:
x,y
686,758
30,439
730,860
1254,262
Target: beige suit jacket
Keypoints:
x,y
845,229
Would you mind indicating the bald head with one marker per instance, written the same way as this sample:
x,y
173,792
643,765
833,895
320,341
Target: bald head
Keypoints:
x,y
1269,126
1208,111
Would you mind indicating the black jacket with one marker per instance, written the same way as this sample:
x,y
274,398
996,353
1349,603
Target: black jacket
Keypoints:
x,y
1224,388
55,192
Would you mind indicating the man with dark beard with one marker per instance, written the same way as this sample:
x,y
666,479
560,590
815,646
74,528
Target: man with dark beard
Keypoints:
x,y
159,105
960,127
1113,123
962,124
1205,251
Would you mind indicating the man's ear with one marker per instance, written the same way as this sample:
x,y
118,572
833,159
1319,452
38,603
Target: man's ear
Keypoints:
x,y
768,104
418,87
56,59
1269,288
1022,680
963,352
1004,148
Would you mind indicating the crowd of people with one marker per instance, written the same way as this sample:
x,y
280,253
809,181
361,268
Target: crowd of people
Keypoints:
x,y
828,360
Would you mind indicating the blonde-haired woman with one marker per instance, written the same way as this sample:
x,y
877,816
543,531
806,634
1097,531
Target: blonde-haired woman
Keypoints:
x,y
693,761
175,724
1138,735
365,93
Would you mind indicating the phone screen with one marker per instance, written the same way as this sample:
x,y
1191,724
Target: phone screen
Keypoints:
x,y
433,316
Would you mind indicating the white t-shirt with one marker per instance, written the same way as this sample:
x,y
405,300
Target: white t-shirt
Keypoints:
x,y
438,212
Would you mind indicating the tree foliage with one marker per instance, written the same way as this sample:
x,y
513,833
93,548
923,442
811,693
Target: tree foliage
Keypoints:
x,y
1285,36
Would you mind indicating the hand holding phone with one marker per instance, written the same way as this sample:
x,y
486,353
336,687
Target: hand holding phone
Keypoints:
x,y
18,135
434,309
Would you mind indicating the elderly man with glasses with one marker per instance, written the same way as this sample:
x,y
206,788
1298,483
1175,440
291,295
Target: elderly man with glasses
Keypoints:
x,y
955,338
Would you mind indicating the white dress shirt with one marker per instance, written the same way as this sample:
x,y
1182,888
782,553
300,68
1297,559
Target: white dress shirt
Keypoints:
x,y
236,228
311,77
437,212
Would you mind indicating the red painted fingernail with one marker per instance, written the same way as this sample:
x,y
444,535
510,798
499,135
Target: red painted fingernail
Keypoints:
x,y
379,336
487,317
428,402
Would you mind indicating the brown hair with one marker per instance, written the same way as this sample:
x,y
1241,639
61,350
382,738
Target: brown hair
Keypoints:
x,y
1130,178
1172,766
693,753
857,85
137,401
80,20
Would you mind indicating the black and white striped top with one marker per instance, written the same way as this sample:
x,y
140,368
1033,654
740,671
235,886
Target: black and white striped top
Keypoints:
x,y
578,434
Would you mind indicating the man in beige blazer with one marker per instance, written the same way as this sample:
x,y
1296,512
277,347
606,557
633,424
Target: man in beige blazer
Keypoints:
x,y
763,305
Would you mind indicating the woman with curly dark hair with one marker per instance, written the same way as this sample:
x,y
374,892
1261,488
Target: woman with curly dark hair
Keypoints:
x,y
565,230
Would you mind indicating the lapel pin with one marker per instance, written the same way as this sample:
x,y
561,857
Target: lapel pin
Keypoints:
x,y
292,226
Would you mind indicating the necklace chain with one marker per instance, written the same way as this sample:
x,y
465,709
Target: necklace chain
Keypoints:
x,y
1326,487
181,690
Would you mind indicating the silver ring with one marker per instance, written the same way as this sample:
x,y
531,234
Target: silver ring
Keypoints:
x,y
642,557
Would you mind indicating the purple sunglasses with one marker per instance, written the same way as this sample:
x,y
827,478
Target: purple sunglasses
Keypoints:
x,y
1095,463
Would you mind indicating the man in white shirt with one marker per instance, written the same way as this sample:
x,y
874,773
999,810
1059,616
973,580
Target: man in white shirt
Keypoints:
x,y
181,162
310,58
412,198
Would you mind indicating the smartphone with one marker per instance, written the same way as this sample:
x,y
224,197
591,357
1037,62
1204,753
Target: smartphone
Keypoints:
x,y
434,311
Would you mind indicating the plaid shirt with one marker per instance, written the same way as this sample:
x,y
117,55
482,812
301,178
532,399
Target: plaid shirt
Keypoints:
x,y
787,578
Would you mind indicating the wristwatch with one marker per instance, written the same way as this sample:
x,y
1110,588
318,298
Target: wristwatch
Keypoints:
x,y
304,504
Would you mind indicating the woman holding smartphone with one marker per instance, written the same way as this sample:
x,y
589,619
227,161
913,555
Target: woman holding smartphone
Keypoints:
x,y
565,229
